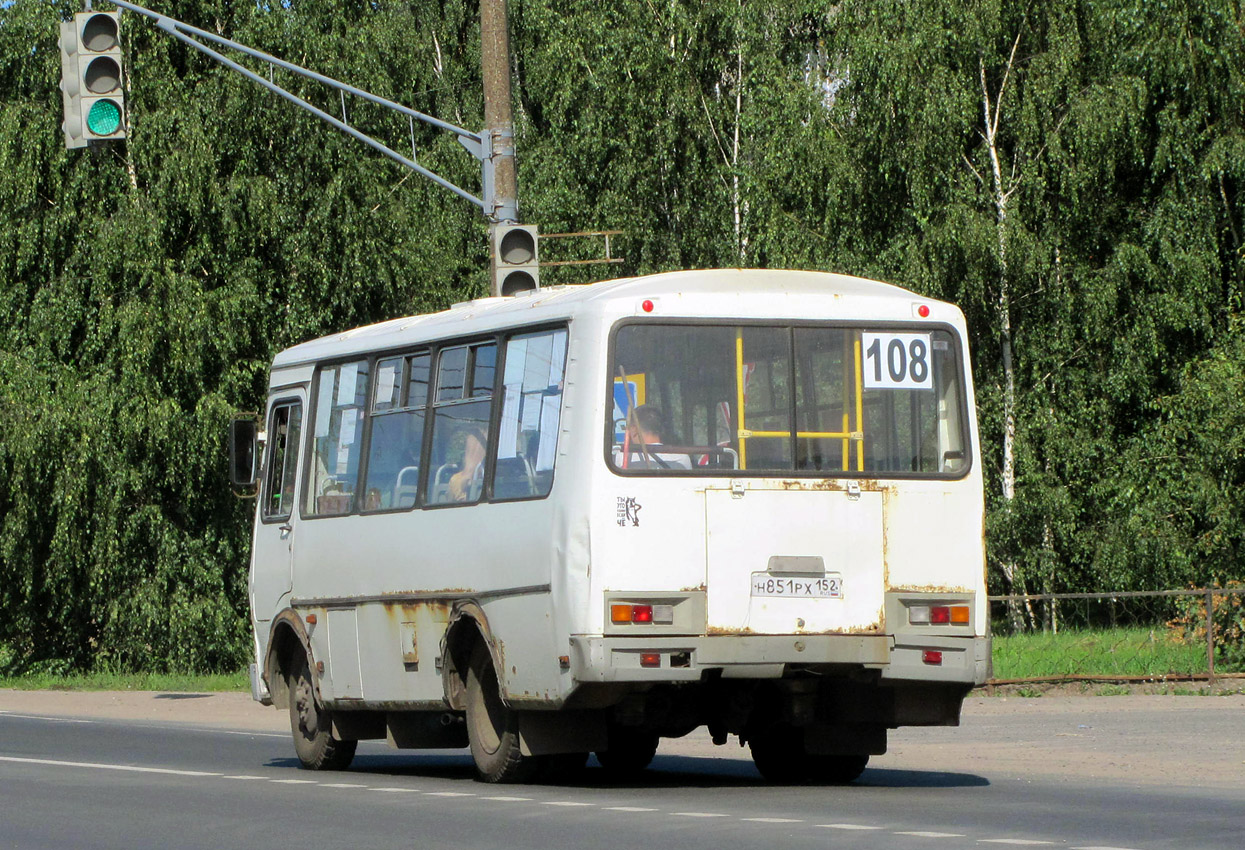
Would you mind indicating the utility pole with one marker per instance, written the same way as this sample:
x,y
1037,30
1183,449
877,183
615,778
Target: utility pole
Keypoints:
x,y
498,121
514,258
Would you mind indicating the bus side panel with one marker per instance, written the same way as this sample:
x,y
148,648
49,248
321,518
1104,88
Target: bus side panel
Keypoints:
x,y
403,572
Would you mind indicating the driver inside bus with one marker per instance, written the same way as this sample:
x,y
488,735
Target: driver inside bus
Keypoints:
x,y
645,433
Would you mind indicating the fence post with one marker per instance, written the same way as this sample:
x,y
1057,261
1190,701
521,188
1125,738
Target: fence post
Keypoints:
x,y
1210,636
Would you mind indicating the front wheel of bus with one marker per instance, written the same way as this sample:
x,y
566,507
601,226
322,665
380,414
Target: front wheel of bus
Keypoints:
x,y
492,728
312,726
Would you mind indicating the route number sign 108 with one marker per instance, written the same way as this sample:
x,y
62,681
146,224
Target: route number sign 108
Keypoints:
x,y
897,361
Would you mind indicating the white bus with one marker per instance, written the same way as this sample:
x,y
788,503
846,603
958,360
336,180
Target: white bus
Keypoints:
x,y
582,519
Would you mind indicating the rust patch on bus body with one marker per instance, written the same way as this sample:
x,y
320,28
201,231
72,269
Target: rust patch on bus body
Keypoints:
x,y
714,631
936,589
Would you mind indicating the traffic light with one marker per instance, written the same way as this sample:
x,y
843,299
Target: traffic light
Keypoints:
x,y
516,260
92,79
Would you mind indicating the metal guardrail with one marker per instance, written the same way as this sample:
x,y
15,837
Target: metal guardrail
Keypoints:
x,y
1122,637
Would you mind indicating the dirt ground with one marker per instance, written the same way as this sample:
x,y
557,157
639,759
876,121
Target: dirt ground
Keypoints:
x,y
1195,741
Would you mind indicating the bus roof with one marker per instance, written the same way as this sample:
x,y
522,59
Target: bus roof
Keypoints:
x,y
690,288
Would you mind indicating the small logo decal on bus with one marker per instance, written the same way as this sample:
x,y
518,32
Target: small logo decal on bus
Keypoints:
x,y
628,511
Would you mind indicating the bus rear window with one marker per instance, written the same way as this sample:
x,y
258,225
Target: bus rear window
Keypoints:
x,y
787,399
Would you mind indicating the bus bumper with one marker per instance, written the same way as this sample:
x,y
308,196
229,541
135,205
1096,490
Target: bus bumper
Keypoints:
x,y
906,657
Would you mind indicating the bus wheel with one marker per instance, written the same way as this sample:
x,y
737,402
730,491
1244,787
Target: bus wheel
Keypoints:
x,y
630,750
492,728
838,770
312,726
778,752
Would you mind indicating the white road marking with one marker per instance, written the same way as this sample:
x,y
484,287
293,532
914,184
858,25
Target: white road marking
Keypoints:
x,y
94,766
772,820
628,809
44,717
1021,842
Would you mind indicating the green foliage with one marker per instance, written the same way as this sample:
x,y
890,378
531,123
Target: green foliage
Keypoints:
x,y
144,287
1100,653
1227,615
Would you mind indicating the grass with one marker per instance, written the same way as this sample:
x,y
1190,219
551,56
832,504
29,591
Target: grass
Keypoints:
x,y
128,682
1106,653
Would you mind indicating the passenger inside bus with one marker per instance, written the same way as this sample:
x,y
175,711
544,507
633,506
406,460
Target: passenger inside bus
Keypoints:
x,y
644,439
460,487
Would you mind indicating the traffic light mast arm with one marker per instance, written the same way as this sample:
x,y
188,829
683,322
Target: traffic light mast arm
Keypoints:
x,y
477,144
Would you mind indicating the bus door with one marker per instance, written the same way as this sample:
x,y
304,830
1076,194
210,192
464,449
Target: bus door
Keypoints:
x,y
276,526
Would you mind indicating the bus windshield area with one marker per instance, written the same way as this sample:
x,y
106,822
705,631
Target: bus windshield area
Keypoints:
x,y
787,399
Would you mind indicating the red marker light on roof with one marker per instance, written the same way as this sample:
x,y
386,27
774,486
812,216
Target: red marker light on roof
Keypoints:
x,y
647,306
923,311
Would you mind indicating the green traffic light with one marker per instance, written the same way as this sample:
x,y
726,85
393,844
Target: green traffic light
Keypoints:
x,y
104,118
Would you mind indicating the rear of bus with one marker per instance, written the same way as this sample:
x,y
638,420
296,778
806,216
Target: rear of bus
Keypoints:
x,y
787,529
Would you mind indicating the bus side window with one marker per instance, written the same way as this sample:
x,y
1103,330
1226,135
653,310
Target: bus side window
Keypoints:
x,y
527,437
460,427
338,420
397,432
279,474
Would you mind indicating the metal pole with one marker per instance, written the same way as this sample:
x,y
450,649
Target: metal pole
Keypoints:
x,y
495,68
1210,636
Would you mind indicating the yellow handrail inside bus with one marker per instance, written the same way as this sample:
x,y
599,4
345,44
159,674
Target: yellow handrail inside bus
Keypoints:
x,y
860,412
846,435
739,395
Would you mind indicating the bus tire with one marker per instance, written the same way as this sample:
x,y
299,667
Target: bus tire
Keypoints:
x,y
312,725
630,751
779,755
492,728
839,770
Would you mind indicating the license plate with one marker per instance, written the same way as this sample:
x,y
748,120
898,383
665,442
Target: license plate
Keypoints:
x,y
799,587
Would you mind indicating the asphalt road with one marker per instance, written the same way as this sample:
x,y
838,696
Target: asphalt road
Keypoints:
x,y
1113,772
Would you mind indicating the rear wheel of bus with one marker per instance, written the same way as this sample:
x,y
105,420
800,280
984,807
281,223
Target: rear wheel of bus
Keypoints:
x,y
780,755
630,750
492,727
312,725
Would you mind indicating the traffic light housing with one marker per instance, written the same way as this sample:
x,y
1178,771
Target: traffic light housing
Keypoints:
x,y
515,258
92,80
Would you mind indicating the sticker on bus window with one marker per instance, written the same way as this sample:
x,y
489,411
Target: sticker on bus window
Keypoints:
x,y
897,361
624,394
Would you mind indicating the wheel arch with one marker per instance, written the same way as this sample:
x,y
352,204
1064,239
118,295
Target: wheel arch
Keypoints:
x,y
286,638
468,626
